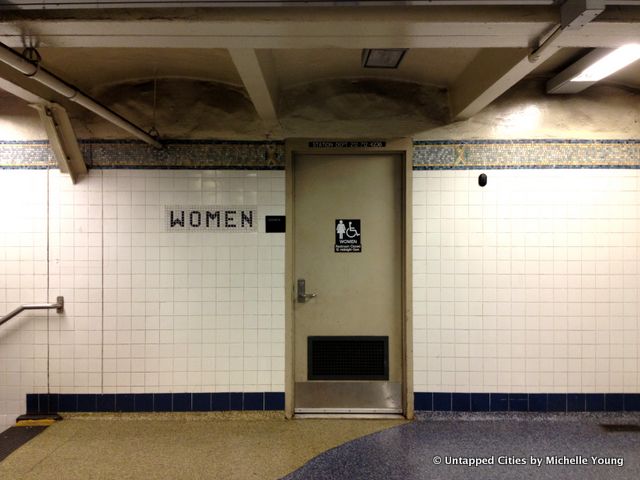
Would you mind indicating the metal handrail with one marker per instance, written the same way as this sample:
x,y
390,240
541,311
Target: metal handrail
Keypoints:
x,y
59,306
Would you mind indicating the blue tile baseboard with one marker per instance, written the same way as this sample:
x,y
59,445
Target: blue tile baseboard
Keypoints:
x,y
526,402
41,403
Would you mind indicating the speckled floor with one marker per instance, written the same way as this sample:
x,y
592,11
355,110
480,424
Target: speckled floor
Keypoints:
x,y
230,445
422,449
265,446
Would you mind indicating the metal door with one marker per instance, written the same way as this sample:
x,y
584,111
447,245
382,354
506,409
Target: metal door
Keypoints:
x,y
348,265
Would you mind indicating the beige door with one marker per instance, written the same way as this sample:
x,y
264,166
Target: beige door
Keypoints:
x,y
348,265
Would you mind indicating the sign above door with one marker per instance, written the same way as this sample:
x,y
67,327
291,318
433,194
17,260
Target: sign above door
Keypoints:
x,y
347,144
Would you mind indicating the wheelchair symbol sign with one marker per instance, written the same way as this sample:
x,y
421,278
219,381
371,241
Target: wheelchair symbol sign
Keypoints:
x,y
348,236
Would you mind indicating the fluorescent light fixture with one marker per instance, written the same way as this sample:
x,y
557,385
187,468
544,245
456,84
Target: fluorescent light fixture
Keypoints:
x,y
611,63
382,57
594,66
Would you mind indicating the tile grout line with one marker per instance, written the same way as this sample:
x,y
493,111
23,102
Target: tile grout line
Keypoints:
x,y
101,283
48,212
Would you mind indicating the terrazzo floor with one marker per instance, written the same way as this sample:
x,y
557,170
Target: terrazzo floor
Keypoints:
x,y
226,445
262,445
423,449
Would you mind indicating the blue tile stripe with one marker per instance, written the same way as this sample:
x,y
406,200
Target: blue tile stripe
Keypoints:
x,y
526,402
42,403
424,401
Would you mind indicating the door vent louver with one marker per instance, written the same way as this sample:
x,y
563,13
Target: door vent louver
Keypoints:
x,y
348,358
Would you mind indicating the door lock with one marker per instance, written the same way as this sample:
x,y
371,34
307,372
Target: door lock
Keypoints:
x,y
302,295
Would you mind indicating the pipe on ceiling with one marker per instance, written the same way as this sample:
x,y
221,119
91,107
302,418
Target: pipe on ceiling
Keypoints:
x,y
39,74
535,55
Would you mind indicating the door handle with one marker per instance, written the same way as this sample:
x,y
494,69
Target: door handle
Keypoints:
x,y
303,296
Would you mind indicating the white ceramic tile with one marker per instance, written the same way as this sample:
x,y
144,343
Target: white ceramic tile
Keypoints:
x,y
164,293
560,289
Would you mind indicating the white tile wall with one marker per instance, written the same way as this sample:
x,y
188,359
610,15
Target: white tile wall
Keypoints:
x,y
23,279
529,284
146,310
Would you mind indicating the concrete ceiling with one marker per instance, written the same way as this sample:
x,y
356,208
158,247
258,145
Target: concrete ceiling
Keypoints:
x,y
92,69
474,53
438,67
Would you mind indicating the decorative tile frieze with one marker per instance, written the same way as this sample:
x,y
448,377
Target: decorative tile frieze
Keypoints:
x,y
427,155
33,154
133,154
185,154
445,155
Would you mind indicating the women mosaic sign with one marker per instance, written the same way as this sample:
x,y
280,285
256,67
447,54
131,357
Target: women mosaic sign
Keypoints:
x,y
211,218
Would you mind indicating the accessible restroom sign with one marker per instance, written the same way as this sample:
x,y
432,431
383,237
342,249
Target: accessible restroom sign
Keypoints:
x,y
348,236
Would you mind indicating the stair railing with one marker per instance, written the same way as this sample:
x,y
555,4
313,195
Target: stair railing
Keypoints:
x,y
59,306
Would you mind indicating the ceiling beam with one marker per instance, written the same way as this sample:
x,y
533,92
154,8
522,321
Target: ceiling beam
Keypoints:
x,y
602,34
459,40
435,27
494,71
259,78
491,73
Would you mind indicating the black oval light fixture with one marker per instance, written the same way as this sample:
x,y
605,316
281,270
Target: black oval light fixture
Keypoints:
x,y
482,180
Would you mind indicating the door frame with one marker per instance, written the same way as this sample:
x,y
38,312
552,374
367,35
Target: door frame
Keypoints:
x,y
404,148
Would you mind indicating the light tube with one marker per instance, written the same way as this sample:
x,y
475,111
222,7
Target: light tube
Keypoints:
x,y
614,61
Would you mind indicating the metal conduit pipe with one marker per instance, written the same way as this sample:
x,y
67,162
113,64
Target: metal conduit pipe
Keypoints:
x,y
547,44
48,79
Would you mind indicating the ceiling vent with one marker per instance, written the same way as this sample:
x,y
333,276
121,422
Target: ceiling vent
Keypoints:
x,y
382,57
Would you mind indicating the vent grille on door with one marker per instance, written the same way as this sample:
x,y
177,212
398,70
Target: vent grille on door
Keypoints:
x,y
348,358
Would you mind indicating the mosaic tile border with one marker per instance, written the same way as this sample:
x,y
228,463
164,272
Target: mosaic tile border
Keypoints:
x,y
507,154
540,141
269,155
46,403
184,154
34,154
176,154
526,402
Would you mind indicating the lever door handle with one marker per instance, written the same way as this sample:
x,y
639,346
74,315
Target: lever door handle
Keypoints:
x,y
306,296
303,296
